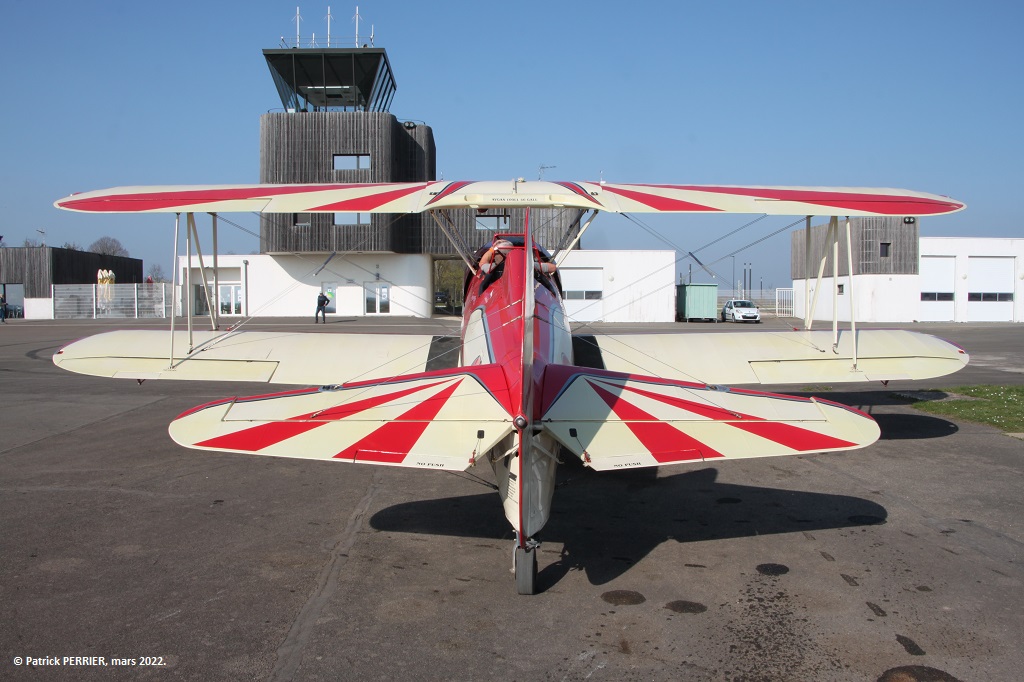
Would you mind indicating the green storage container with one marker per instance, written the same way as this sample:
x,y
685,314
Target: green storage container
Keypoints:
x,y
697,302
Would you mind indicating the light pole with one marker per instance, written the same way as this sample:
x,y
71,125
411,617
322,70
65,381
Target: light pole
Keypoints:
x,y
732,285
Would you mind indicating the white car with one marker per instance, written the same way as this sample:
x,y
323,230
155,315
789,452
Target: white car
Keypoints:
x,y
740,310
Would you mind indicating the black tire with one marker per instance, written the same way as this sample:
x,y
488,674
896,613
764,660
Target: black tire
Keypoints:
x,y
526,571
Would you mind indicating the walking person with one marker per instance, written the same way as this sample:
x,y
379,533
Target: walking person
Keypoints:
x,y
321,307
3,309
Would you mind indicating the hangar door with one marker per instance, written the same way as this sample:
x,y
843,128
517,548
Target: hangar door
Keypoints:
x,y
583,293
989,289
938,279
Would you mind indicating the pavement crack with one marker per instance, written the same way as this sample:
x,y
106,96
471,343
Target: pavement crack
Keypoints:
x,y
289,654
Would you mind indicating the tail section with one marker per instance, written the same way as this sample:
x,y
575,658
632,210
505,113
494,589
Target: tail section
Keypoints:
x,y
435,420
615,421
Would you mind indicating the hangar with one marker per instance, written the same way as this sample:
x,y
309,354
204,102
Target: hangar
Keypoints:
x,y
899,276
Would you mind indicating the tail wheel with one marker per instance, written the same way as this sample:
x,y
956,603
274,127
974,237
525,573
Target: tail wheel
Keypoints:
x,y
526,570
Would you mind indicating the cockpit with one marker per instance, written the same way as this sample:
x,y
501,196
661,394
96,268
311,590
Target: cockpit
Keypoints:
x,y
491,260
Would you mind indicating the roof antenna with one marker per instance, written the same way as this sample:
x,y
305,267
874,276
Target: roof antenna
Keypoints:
x,y
298,18
328,25
541,169
371,35
356,17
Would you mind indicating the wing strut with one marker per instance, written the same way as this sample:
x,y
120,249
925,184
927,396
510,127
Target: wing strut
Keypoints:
x,y
174,287
579,235
853,316
192,231
831,240
202,267
448,228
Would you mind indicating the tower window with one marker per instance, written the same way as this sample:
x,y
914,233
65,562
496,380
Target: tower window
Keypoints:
x,y
351,162
885,249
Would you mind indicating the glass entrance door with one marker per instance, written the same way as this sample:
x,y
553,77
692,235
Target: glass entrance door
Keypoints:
x,y
378,298
230,299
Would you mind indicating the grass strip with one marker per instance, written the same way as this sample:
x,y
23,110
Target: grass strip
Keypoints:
x,y
998,406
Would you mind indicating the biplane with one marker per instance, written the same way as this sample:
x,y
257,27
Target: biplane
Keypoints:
x,y
516,399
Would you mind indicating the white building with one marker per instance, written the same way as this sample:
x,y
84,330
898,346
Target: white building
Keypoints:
x,y
614,286
957,279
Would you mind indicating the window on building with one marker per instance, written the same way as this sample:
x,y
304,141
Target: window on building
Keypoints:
x,y
936,295
303,220
885,249
582,295
348,219
493,223
989,296
351,162
842,289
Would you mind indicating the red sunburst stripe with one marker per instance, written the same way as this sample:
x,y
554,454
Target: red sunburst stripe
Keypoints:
x,y
576,189
369,203
256,438
793,437
886,204
148,201
665,442
659,202
391,443
449,189
801,440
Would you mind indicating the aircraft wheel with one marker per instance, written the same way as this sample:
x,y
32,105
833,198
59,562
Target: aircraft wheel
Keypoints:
x,y
526,571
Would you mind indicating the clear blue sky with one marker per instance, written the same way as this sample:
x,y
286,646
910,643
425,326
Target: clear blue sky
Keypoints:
x,y
918,95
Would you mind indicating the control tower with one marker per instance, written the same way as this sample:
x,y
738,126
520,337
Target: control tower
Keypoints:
x,y
334,126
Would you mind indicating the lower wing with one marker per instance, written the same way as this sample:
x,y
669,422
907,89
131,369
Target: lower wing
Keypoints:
x,y
787,357
275,357
613,420
435,420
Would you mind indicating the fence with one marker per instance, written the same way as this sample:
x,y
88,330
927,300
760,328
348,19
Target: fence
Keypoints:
x,y
777,302
95,301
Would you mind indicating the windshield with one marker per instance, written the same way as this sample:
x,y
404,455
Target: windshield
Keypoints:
x,y
743,304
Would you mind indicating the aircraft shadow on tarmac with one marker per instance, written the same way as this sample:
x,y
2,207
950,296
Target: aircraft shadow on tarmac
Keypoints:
x,y
609,521
899,425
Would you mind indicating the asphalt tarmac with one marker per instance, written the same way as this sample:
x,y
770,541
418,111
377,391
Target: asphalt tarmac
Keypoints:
x,y
903,558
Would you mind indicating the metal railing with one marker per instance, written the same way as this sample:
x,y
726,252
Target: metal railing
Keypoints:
x,y
98,301
774,302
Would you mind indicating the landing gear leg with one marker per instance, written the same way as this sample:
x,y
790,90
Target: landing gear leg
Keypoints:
x,y
525,567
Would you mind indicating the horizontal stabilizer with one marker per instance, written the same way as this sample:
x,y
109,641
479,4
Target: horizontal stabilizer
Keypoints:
x,y
617,421
277,357
436,420
786,357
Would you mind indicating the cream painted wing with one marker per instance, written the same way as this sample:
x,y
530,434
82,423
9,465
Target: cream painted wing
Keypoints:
x,y
416,197
274,357
787,357
619,421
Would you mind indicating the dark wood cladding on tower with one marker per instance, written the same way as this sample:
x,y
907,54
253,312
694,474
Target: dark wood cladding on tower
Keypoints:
x,y
301,147
882,245
37,267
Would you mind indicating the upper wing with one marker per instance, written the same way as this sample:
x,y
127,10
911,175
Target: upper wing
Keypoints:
x,y
787,357
613,420
276,357
435,420
416,197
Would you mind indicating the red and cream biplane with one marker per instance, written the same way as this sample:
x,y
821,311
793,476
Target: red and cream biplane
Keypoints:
x,y
516,399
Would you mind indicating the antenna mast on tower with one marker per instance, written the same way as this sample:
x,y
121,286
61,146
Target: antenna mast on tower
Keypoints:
x,y
356,17
328,25
298,18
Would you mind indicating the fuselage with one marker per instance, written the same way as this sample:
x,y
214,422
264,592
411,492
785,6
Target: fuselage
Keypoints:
x,y
498,328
